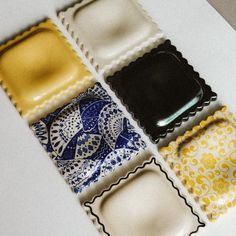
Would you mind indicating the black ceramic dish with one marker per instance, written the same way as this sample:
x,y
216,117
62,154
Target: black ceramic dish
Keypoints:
x,y
161,90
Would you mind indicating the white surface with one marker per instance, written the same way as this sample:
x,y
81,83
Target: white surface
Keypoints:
x,y
34,199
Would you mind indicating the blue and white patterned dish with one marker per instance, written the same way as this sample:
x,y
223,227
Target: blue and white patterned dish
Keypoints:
x,y
88,138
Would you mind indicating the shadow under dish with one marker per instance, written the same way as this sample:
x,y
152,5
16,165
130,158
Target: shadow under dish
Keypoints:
x,y
161,90
227,9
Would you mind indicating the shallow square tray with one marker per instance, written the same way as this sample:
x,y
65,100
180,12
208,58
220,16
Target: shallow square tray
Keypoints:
x,y
88,138
161,90
111,33
142,202
40,71
205,160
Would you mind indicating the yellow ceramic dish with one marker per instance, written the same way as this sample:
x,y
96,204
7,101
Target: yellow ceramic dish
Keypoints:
x,y
205,160
40,71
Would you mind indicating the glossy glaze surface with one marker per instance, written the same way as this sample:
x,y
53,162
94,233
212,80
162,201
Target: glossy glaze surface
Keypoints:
x,y
205,160
118,27
160,89
39,65
88,138
144,203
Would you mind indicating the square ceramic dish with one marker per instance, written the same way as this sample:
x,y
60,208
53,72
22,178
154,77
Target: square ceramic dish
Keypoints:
x,y
141,202
161,90
205,160
111,33
40,71
88,137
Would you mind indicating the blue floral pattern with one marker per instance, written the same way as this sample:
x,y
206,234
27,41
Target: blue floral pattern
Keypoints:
x,y
88,138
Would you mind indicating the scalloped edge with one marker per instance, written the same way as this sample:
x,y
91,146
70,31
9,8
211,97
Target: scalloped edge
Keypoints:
x,y
191,111
223,113
101,227
52,155
59,99
55,100
124,59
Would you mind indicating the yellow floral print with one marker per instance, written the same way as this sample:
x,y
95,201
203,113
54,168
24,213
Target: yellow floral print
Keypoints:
x,y
220,186
205,161
208,160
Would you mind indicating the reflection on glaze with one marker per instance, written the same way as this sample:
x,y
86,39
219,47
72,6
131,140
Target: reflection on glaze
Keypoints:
x,y
88,138
40,65
183,109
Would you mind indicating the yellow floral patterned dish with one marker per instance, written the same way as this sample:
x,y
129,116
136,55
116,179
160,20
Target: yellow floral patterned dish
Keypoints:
x,y
205,161
40,71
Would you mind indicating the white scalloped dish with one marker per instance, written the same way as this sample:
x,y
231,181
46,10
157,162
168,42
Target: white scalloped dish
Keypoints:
x,y
143,202
110,33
